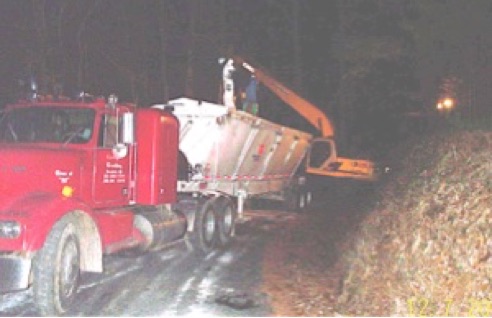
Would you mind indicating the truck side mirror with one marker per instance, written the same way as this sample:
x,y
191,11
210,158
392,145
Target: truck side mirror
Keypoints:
x,y
128,129
120,151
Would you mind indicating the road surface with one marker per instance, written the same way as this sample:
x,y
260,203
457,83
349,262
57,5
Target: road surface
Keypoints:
x,y
176,281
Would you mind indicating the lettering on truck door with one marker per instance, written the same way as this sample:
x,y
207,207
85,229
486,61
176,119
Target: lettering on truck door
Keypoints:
x,y
112,172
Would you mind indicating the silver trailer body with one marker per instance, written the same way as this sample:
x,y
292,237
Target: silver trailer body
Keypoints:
x,y
234,152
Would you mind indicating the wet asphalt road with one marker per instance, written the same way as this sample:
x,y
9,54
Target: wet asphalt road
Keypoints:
x,y
176,281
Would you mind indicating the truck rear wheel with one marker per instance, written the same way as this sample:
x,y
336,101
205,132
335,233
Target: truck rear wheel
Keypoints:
x,y
226,220
204,233
56,270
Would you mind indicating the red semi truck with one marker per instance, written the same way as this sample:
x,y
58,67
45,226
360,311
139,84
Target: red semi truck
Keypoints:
x,y
80,179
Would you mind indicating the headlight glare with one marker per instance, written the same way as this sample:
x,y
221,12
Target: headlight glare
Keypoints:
x,y
10,229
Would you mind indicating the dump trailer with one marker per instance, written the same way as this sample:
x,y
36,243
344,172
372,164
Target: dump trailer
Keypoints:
x,y
239,155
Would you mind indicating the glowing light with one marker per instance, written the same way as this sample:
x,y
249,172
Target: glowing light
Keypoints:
x,y
448,103
67,191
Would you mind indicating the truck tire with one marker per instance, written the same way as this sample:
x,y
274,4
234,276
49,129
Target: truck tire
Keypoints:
x,y
203,237
226,220
56,269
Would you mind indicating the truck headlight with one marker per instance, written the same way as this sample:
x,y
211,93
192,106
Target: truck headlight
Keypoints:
x,y
10,229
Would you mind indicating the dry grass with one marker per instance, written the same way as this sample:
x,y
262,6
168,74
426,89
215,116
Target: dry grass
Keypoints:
x,y
424,250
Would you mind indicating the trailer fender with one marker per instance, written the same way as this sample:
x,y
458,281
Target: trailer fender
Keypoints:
x,y
42,210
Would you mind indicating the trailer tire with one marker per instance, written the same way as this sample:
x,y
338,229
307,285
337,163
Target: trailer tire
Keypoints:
x,y
309,198
301,201
297,200
305,199
226,220
204,233
56,269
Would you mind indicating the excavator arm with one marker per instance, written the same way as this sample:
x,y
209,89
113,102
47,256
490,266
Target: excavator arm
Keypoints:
x,y
332,165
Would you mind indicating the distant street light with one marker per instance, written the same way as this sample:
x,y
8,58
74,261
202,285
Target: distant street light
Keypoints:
x,y
448,103
445,104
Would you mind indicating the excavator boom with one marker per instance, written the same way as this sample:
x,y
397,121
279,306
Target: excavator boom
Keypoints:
x,y
306,109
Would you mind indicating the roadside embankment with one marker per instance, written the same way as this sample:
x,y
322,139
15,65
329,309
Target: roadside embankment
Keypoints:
x,y
424,249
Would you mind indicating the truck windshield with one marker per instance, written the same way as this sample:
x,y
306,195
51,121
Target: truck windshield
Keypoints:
x,y
47,124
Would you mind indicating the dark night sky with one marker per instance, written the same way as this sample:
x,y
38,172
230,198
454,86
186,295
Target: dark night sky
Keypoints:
x,y
359,60
121,41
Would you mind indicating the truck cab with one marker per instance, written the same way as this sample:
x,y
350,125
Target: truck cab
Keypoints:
x,y
68,148
72,189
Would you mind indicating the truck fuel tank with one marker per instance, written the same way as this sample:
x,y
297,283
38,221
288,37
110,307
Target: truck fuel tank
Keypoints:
x,y
159,226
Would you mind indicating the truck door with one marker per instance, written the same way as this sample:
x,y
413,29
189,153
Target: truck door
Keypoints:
x,y
113,159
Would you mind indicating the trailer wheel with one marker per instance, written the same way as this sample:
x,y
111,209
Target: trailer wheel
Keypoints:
x,y
56,270
301,201
309,197
226,220
297,200
204,233
305,199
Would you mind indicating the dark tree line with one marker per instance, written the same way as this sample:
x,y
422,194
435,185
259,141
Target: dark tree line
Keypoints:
x,y
365,62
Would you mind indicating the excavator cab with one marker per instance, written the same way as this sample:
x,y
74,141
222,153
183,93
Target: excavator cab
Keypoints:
x,y
322,160
321,154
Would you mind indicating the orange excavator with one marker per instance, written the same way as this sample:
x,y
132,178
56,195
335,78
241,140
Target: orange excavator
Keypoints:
x,y
324,147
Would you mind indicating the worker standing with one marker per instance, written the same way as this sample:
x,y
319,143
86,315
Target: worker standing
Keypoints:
x,y
250,103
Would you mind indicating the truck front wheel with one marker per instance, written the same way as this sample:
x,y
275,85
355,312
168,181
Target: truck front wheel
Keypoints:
x,y
56,270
